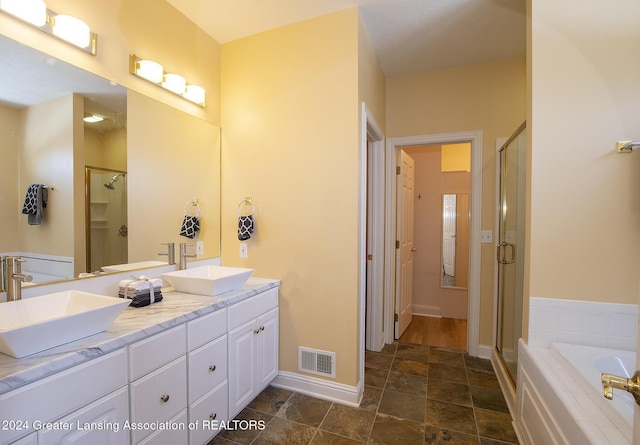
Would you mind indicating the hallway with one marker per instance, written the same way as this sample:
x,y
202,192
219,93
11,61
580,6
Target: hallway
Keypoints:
x,y
414,394
450,333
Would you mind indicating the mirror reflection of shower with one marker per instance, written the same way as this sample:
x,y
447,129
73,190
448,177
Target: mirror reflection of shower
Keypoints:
x,y
109,184
106,218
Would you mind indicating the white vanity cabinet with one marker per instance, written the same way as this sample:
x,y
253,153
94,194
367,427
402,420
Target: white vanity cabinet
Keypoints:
x,y
174,387
207,371
253,348
158,388
55,406
99,422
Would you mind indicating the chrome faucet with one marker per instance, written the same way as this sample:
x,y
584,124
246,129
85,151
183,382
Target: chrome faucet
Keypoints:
x,y
170,253
632,385
184,255
15,278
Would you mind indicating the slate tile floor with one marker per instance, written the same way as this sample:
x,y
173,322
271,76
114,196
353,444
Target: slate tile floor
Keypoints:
x,y
414,394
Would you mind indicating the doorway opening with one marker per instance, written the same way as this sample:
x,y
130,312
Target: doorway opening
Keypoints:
x,y
433,308
393,147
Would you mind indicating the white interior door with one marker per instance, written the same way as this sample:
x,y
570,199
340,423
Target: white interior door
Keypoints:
x,y
449,234
405,250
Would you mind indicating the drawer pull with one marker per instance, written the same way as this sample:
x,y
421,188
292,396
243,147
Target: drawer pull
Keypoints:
x,y
213,416
212,368
164,398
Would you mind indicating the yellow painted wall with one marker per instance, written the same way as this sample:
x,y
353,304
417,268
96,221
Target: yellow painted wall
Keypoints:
x,y
584,197
371,80
10,196
46,151
290,141
456,157
488,97
167,170
148,28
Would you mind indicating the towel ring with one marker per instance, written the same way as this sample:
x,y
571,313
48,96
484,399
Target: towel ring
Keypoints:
x,y
193,203
247,201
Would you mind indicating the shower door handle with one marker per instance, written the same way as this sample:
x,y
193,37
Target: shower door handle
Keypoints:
x,y
501,249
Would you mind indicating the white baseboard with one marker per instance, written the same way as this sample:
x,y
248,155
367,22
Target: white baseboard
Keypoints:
x,y
425,311
322,389
485,351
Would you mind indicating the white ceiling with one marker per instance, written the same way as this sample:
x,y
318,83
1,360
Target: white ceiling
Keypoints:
x,y
410,36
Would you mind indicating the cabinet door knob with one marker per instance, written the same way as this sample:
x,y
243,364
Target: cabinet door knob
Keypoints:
x,y
262,328
212,368
213,416
256,331
164,398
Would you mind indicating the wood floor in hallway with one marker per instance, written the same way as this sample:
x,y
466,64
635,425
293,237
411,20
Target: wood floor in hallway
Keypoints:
x,y
449,333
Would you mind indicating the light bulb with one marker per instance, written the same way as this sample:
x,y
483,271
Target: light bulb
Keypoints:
x,y
72,29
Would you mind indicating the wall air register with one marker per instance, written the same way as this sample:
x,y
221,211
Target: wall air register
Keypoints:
x,y
316,361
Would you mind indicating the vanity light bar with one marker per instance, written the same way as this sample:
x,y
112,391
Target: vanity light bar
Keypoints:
x,y
64,27
153,72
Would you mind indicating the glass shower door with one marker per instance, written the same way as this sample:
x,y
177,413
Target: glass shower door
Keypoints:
x,y
106,225
510,249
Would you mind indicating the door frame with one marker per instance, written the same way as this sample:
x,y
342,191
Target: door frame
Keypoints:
x,y
392,146
370,297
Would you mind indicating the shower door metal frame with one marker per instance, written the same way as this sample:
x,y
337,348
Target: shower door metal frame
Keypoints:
x,y
506,254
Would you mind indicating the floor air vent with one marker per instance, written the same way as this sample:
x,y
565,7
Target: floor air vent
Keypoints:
x,y
317,362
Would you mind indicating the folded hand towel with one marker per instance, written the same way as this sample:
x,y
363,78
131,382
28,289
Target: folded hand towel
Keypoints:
x,y
142,291
141,283
143,298
245,227
34,202
190,226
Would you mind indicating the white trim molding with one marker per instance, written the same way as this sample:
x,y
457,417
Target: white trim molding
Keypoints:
x,y
393,144
319,388
427,311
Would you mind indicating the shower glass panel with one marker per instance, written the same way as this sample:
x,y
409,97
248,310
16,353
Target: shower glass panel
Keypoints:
x,y
106,218
510,249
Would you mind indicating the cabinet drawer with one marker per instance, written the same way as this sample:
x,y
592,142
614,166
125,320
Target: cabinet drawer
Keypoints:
x,y
251,308
171,436
209,411
159,396
58,395
31,439
207,368
153,352
206,328
99,422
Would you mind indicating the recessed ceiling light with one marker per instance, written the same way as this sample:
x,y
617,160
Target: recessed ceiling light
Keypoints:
x,y
93,118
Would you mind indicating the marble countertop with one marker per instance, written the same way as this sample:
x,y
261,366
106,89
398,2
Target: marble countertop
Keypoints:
x,y
132,325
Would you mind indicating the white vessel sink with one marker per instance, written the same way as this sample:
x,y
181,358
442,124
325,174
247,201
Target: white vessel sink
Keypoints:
x,y
132,266
208,280
35,324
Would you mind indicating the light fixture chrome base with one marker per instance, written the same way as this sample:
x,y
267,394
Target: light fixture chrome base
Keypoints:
x,y
626,146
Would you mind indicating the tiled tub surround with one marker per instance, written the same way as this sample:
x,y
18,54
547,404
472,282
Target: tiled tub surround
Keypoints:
x,y
588,323
133,325
554,403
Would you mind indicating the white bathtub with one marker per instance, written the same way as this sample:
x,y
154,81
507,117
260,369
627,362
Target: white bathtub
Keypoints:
x,y
589,363
560,398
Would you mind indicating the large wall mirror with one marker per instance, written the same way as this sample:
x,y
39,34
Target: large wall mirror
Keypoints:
x,y
116,189
455,240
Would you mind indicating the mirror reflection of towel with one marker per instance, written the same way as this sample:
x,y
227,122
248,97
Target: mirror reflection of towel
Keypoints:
x,y
190,226
245,227
35,202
